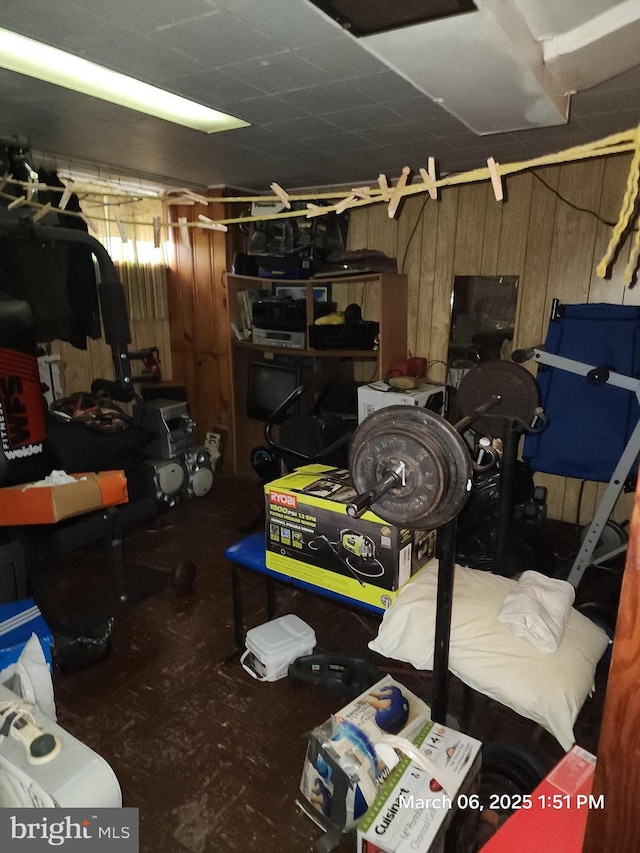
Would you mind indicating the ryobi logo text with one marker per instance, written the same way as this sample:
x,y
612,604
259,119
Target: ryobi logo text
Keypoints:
x,y
282,499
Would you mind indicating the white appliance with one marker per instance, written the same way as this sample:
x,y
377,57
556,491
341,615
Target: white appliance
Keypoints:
x,y
76,778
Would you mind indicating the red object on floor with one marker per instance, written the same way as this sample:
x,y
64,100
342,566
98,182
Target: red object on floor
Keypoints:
x,y
553,818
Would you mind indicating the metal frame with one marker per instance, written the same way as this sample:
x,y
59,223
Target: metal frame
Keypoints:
x,y
584,558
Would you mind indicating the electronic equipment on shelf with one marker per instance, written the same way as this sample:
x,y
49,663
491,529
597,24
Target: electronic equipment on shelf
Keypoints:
x,y
171,423
275,338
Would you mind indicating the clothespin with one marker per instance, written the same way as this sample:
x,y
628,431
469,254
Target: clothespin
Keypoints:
x,y
209,223
18,202
316,210
156,232
282,195
496,181
64,200
90,224
182,199
384,186
199,199
429,177
397,192
122,230
42,212
184,231
361,192
341,206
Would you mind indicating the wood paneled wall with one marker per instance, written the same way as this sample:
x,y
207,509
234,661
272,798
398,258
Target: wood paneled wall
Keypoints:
x,y
551,246
199,322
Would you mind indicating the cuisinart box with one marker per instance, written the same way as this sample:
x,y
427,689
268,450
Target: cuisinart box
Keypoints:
x,y
419,811
377,395
309,536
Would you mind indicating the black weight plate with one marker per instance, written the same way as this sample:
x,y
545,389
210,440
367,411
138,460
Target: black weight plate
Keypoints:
x,y
514,384
437,466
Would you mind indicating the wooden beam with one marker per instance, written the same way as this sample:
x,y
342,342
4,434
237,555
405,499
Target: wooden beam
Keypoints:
x,y
616,828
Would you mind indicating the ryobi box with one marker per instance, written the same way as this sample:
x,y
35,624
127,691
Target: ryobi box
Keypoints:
x,y
309,536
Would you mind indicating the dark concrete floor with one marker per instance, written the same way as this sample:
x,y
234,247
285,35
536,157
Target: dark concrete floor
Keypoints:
x,y
211,757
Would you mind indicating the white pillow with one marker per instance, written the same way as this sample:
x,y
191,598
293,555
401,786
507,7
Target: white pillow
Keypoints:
x,y
547,688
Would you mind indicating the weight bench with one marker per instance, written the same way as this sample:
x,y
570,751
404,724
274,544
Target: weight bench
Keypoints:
x,y
249,554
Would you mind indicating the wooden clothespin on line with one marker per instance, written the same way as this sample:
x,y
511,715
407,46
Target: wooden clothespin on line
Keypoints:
x,y
384,186
65,198
496,180
317,210
123,231
156,232
90,224
283,195
18,202
361,192
429,177
397,192
341,206
184,230
40,214
210,224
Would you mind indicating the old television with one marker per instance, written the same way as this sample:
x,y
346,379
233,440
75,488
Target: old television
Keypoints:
x,y
268,385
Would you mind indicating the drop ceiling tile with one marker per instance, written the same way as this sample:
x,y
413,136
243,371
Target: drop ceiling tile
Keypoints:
x,y
339,142
289,24
212,88
595,102
385,87
215,39
344,57
400,132
74,29
326,98
144,16
142,58
301,128
362,118
263,109
278,73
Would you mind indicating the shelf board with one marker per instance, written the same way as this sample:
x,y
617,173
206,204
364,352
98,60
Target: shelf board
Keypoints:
x,y
312,353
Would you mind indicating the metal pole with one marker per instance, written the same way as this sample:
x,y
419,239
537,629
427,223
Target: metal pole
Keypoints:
x,y
444,601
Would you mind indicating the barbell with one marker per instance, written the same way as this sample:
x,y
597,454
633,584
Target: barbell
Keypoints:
x,y
413,468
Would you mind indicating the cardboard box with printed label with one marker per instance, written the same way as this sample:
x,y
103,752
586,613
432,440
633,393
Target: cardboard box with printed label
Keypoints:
x,y
309,536
31,503
428,812
342,771
378,395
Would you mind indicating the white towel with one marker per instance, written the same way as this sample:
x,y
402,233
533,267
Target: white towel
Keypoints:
x,y
537,609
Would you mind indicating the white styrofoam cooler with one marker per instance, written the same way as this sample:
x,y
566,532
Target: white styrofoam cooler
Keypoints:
x,y
273,646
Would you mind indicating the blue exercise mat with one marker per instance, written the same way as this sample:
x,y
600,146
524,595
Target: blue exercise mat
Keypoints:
x,y
589,425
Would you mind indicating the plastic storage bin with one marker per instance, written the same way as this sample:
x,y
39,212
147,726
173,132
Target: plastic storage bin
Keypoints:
x,y
273,646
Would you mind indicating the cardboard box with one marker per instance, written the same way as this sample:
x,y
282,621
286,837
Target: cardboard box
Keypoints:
x,y
18,621
554,817
342,773
29,504
414,810
309,536
377,395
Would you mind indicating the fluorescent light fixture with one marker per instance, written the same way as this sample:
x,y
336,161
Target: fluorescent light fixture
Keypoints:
x,y
35,59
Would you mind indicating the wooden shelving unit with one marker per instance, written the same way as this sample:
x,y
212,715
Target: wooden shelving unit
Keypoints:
x,y
382,297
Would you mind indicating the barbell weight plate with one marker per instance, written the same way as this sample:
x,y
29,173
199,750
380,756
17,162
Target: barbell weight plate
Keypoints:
x,y
517,388
437,464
